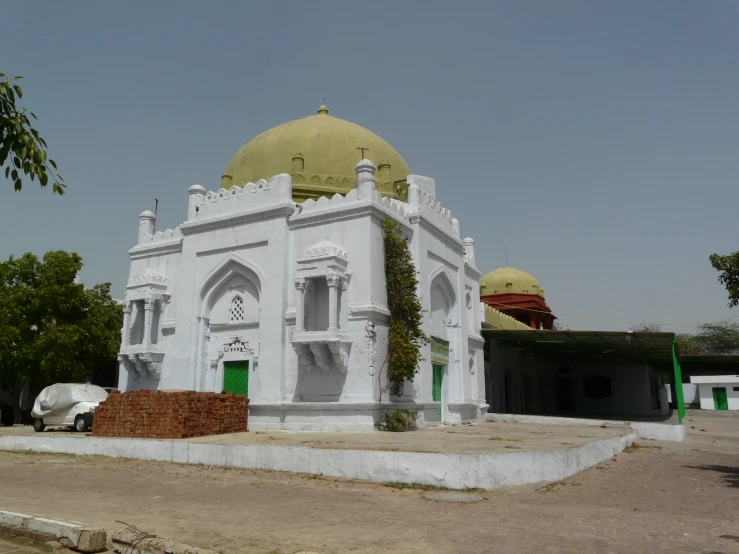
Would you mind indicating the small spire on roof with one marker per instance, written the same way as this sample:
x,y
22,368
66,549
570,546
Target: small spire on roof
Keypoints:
x,y
323,110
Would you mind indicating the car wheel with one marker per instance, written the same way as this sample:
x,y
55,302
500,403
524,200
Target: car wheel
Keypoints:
x,y
79,424
38,425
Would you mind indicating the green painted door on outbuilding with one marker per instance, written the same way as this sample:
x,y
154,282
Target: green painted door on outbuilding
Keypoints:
x,y
236,377
436,385
720,398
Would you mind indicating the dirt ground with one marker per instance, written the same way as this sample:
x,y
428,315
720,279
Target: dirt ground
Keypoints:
x,y
676,497
9,547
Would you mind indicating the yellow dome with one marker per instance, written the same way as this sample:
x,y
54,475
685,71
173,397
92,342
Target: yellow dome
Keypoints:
x,y
320,152
507,279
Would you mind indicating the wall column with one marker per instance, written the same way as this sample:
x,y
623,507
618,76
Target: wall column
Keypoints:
x,y
126,331
299,305
333,282
148,317
344,310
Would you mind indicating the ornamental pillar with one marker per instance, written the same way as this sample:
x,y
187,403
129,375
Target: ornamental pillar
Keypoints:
x,y
344,309
196,194
469,250
299,304
365,171
149,306
147,222
126,331
333,282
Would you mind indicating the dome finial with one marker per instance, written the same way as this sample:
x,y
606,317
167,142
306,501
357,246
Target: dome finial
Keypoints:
x,y
323,110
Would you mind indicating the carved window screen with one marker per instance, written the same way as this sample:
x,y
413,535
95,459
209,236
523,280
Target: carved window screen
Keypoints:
x,y
236,313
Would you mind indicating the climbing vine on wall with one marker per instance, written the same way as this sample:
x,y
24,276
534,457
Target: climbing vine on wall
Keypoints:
x,y
406,314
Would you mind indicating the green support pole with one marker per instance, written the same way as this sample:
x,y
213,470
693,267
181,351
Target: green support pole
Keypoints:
x,y
677,375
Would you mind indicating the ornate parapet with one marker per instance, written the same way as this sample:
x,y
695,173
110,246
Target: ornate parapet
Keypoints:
x,y
391,206
336,201
426,205
167,234
148,238
238,198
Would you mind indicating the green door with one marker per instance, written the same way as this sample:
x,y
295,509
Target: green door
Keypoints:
x,y
720,400
236,377
436,385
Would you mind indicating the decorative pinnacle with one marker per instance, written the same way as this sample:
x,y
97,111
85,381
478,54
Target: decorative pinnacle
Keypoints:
x,y
323,110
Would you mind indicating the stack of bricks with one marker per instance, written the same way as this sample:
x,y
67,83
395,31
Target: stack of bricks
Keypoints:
x,y
170,415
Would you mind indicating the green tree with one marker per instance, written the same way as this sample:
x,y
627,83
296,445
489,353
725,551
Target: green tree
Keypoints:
x,y
22,150
406,313
728,274
718,338
51,328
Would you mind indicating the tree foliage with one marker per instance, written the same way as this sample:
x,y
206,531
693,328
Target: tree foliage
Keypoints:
x,y
645,327
406,313
22,150
718,338
728,274
51,328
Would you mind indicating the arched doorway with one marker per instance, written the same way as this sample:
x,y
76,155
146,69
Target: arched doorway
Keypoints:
x,y
229,327
442,301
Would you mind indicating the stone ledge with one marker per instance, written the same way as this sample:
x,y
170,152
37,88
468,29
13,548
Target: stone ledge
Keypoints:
x,y
43,530
16,532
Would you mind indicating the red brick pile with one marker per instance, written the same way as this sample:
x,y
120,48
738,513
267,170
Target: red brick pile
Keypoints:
x,y
170,415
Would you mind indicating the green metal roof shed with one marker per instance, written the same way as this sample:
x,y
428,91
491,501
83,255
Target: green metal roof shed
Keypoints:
x,y
660,350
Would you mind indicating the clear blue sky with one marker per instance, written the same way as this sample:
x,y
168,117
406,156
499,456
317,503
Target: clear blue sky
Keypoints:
x,y
598,142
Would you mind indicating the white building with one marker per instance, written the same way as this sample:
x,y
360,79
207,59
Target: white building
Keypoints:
x,y
717,392
256,293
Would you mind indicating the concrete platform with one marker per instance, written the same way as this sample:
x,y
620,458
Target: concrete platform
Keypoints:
x,y
483,455
664,429
475,438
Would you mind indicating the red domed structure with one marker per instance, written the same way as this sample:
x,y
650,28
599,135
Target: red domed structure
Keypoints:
x,y
517,294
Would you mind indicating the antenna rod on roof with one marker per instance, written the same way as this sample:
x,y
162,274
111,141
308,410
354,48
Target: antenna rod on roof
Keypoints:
x,y
506,254
156,206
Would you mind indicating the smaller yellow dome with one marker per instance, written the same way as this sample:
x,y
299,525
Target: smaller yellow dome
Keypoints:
x,y
509,280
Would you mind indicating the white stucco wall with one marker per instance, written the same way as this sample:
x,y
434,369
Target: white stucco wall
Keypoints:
x,y
705,385
256,245
690,393
449,291
705,393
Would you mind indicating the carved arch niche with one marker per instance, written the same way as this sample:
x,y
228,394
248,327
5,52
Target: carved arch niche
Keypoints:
x,y
230,296
229,316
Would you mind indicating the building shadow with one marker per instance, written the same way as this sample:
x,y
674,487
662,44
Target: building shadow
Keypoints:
x,y
730,474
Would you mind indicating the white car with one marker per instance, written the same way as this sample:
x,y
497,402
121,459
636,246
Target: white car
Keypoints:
x,y
67,405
